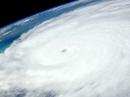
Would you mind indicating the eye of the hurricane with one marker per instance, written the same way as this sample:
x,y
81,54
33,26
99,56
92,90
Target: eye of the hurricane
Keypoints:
x,y
64,50
54,56
55,53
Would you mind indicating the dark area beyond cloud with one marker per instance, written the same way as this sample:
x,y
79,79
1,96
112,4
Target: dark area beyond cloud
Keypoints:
x,y
13,10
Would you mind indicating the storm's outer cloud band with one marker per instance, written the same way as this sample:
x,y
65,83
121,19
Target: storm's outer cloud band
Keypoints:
x,y
83,53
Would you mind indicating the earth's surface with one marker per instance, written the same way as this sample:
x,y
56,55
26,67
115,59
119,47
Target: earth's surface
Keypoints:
x,y
81,49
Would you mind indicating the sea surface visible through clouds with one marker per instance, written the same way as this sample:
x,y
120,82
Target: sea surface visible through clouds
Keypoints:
x,y
81,49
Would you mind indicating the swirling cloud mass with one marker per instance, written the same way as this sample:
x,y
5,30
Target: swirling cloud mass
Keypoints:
x,y
83,53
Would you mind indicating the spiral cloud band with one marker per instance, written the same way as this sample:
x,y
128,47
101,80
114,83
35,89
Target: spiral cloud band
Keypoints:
x,y
82,53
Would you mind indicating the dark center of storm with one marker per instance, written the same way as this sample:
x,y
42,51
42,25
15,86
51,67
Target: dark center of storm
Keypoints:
x,y
64,50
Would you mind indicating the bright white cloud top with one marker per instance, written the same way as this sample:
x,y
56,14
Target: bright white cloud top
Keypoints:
x,y
83,53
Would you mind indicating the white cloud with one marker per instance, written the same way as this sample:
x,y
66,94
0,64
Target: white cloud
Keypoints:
x,y
84,53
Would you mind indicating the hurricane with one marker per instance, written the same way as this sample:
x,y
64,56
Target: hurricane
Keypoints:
x,y
83,51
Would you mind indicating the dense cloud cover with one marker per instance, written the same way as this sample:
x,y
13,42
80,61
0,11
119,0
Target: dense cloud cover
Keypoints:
x,y
83,53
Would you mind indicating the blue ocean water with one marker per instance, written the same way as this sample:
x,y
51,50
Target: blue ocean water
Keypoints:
x,y
13,31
